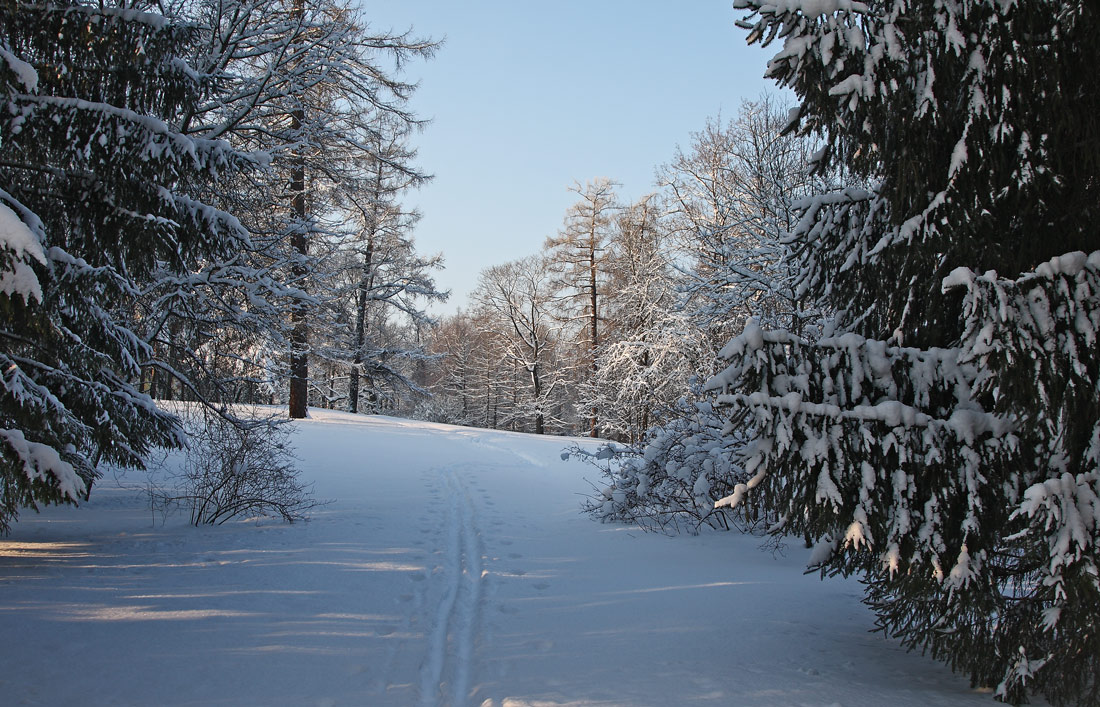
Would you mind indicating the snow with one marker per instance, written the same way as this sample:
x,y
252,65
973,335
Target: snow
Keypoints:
x,y
958,156
16,237
1069,264
812,9
21,280
959,277
24,72
452,567
43,463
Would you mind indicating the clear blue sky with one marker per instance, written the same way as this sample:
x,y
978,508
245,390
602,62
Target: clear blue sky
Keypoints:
x,y
525,98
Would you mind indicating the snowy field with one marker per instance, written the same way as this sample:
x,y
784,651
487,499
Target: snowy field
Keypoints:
x,y
452,568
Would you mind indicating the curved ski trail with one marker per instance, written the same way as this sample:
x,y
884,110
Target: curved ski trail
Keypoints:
x,y
453,637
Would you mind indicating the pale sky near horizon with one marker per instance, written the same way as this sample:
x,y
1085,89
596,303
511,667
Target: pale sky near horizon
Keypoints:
x,y
526,98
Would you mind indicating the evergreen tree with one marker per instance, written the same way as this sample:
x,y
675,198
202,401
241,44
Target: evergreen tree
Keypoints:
x,y
94,197
945,443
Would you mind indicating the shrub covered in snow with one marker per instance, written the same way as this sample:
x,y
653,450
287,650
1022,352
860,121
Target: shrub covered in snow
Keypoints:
x,y
235,466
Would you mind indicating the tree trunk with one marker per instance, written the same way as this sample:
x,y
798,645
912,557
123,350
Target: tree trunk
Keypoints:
x,y
365,285
594,333
536,384
357,359
299,335
167,380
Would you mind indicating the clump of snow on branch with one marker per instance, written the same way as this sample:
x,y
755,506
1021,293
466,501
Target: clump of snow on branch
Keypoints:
x,y
43,464
21,245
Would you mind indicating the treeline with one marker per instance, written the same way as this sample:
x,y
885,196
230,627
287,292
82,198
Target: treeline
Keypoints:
x,y
624,310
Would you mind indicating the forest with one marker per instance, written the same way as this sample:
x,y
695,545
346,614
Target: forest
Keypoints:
x,y
865,318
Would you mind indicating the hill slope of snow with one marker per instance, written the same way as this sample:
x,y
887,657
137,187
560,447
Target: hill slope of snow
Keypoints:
x,y
453,567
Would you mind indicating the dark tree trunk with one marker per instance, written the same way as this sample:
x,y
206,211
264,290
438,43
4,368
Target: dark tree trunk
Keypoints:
x,y
594,331
299,335
365,285
536,383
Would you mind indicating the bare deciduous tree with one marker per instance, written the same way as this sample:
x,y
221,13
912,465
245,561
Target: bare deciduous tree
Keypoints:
x,y
517,293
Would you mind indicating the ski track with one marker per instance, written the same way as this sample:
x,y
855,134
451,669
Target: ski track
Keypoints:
x,y
481,442
448,666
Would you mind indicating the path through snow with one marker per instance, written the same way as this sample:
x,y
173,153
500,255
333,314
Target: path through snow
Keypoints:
x,y
452,568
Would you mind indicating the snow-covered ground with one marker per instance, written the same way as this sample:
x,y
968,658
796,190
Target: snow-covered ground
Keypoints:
x,y
453,567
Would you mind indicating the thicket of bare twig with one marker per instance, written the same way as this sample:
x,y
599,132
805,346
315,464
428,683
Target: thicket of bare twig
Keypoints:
x,y
236,466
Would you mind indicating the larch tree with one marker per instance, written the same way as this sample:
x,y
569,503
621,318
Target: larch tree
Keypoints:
x,y
649,350
579,254
386,276
314,85
733,197
453,341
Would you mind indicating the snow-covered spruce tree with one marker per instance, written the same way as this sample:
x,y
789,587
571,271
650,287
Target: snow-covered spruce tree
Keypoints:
x,y
944,445
669,482
92,198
